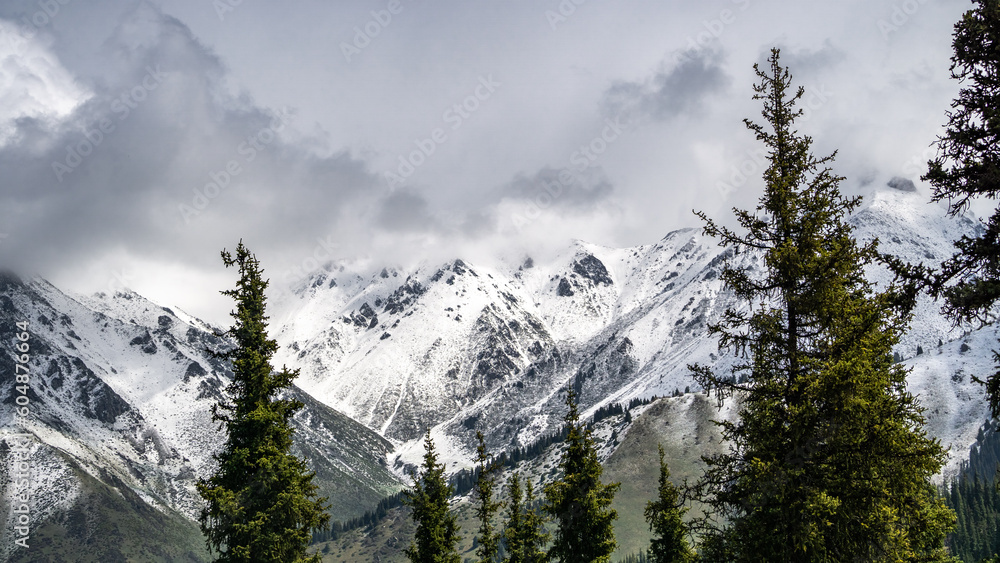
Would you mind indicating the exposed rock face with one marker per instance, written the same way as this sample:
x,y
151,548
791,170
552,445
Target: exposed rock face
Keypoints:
x,y
590,268
901,184
565,289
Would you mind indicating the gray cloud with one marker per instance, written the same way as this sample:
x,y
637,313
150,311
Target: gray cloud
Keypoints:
x,y
478,224
805,63
558,188
163,161
404,210
682,88
315,188
812,60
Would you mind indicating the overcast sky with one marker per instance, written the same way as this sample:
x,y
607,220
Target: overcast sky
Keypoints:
x,y
138,139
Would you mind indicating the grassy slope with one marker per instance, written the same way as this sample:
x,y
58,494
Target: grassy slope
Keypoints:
x,y
681,424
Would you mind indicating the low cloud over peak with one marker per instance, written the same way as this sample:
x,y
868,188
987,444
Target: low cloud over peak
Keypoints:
x,y
681,86
137,139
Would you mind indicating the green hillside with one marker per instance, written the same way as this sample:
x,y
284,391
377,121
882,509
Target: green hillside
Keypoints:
x,y
682,424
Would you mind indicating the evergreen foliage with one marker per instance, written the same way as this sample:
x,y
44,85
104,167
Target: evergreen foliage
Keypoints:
x,y
974,497
977,505
369,518
984,455
261,502
828,460
669,544
524,529
437,531
461,482
486,507
533,450
579,503
607,411
967,167
641,557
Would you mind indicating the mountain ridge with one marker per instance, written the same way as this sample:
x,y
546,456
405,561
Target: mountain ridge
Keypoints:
x,y
122,387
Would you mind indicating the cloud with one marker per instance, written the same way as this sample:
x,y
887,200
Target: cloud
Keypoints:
x,y
162,161
805,63
558,188
212,135
810,60
158,162
34,87
404,210
695,76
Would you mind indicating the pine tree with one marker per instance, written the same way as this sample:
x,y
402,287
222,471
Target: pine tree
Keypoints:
x,y
486,508
261,503
524,529
664,517
437,527
828,460
967,167
578,502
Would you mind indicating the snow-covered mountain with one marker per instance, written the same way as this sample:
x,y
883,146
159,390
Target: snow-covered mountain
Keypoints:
x,y
120,394
122,388
460,347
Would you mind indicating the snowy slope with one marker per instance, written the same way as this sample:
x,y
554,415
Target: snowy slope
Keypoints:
x,y
121,389
461,347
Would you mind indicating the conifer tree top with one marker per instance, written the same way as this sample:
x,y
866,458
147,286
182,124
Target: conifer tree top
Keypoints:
x,y
261,503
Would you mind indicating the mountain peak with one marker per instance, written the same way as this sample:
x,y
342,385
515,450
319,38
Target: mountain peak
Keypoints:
x,y
901,184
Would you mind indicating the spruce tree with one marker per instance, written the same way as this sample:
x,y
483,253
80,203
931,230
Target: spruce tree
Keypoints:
x,y
486,509
261,503
664,517
967,168
578,502
437,527
828,459
524,530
